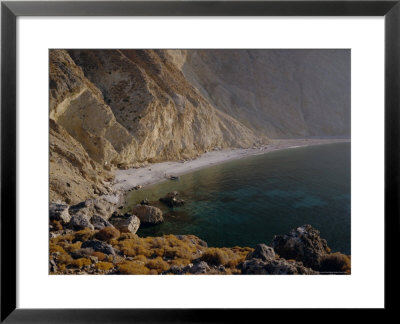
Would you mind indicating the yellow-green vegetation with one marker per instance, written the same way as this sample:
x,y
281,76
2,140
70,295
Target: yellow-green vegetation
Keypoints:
x,y
107,233
228,257
99,255
139,255
336,262
133,268
81,262
84,235
105,266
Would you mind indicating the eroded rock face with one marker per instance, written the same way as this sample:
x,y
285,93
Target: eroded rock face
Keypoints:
x,y
148,214
74,176
302,244
128,224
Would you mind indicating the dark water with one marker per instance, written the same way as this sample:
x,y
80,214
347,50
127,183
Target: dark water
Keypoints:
x,y
248,201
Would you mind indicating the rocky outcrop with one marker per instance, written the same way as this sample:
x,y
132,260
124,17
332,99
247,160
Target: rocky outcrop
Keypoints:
x,y
262,252
275,267
302,244
127,224
148,214
91,207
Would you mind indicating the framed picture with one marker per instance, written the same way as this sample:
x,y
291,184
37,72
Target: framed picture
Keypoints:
x,y
125,179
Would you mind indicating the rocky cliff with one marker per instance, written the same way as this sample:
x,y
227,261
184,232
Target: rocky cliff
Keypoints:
x,y
124,108
277,93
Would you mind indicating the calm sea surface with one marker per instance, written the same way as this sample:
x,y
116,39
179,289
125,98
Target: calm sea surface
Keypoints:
x,y
248,201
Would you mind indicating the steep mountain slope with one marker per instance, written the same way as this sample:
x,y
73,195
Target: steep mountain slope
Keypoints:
x,y
277,93
112,108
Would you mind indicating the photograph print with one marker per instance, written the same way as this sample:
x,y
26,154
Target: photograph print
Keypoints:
x,y
199,162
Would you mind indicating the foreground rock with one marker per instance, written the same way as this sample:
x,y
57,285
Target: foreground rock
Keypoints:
x,y
99,246
171,200
148,214
127,224
275,267
262,252
59,212
91,207
302,244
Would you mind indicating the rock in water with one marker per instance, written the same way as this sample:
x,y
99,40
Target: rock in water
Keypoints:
x,y
171,200
263,252
99,246
148,214
145,202
59,212
302,244
126,224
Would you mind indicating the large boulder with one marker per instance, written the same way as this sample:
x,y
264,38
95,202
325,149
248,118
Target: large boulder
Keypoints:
x,y
302,244
148,214
171,199
274,267
126,224
262,252
101,207
98,246
59,212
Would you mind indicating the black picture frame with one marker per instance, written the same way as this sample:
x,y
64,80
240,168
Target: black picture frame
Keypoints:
x,y
11,10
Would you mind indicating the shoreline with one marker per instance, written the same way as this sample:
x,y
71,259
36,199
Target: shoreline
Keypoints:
x,y
154,173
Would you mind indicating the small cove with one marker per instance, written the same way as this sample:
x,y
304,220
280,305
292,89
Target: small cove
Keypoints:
x,y
248,201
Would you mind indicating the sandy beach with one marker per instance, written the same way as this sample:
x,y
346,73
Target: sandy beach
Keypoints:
x,y
157,172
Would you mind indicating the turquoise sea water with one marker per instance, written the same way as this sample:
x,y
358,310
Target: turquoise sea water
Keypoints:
x,y
248,201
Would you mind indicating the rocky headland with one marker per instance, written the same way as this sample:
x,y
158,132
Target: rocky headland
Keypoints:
x,y
92,237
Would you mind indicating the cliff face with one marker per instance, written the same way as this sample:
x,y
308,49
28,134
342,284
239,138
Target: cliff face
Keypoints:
x,y
123,108
277,93
120,108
